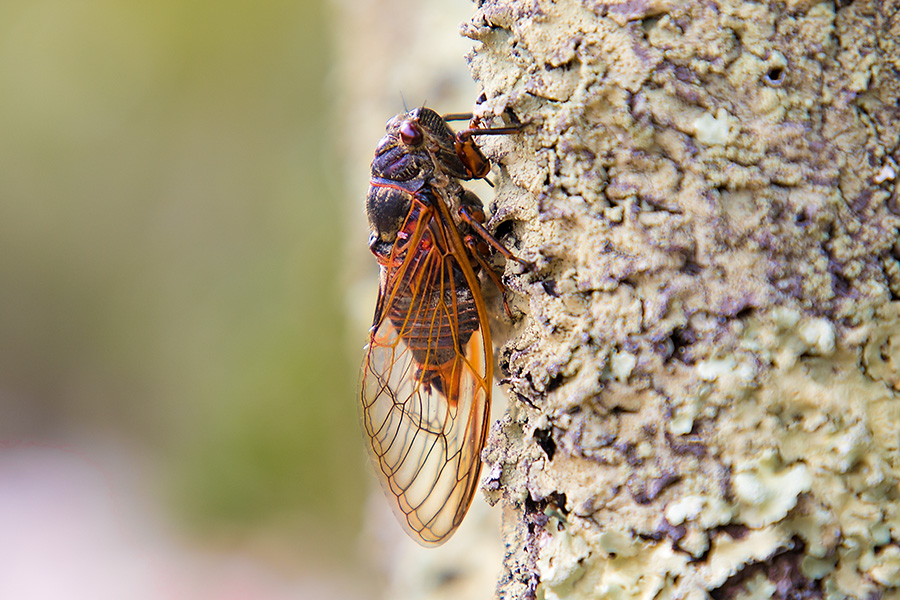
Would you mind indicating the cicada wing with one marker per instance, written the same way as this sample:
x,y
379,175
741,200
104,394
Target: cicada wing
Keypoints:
x,y
425,439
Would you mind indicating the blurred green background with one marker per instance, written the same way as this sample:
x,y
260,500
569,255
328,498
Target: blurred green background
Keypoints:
x,y
171,251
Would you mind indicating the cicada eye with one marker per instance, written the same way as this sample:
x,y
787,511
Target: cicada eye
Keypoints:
x,y
410,134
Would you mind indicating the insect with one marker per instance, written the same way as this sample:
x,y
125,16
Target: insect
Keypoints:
x,y
426,382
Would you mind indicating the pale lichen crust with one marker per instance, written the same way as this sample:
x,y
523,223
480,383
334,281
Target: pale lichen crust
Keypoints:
x,y
704,387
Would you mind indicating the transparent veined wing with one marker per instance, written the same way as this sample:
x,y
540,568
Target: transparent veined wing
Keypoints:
x,y
425,391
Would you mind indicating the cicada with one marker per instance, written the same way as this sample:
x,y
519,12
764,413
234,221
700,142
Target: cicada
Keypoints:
x,y
425,393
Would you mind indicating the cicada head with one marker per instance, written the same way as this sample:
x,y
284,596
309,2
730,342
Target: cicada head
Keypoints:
x,y
417,149
418,145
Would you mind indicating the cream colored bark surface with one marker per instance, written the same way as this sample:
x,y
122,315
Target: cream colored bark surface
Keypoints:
x,y
705,377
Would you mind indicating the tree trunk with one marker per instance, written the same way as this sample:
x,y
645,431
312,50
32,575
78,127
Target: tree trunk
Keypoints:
x,y
704,383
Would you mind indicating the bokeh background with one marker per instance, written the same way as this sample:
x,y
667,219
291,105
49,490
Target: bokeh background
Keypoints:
x,y
172,323
182,274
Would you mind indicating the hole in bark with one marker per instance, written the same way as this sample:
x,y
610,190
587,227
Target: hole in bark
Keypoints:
x,y
558,501
555,382
503,229
549,286
681,340
775,76
503,362
649,23
744,312
544,439
512,116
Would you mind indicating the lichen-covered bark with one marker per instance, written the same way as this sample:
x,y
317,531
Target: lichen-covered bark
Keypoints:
x,y
704,384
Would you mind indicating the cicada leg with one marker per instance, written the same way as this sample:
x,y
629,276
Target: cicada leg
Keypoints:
x,y
476,163
475,220
478,247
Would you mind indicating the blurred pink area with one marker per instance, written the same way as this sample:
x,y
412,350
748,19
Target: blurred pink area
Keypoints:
x,y
79,526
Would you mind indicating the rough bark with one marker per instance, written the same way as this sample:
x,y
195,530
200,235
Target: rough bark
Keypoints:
x,y
704,380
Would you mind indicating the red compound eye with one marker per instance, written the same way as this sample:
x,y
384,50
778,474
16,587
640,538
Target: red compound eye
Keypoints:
x,y
410,134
